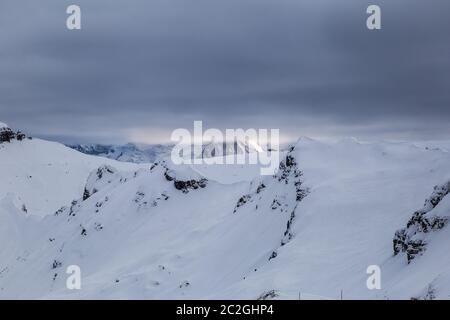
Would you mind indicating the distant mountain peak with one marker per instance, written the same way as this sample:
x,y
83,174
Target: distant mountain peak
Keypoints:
x,y
225,148
126,153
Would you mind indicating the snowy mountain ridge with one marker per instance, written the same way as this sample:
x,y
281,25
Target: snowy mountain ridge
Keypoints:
x,y
411,240
150,153
45,175
126,153
210,231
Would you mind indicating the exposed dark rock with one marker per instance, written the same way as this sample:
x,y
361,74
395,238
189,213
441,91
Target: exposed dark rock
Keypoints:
x,y
261,187
74,205
56,264
275,204
430,294
7,135
60,210
98,226
184,186
139,196
273,255
86,194
411,240
300,191
242,200
100,178
271,294
184,284
104,169
168,176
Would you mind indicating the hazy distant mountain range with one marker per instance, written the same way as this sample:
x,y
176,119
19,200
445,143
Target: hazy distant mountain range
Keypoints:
x,y
135,153
126,153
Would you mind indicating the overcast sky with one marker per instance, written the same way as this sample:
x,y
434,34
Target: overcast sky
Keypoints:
x,y
139,69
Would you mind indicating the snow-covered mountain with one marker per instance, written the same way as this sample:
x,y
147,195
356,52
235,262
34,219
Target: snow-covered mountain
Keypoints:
x,y
126,153
151,153
227,148
223,231
41,176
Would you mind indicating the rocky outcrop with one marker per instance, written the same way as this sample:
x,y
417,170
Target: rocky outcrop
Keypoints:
x,y
284,190
242,200
8,135
287,236
289,170
428,294
411,240
288,174
185,185
268,295
99,178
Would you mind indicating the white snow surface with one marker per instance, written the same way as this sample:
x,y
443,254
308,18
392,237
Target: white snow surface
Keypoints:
x,y
138,236
45,175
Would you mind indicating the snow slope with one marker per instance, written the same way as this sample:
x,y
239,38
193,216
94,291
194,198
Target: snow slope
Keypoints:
x,y
193,232
44,175
360,195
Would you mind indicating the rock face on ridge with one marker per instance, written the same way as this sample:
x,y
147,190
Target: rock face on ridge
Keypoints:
x,y
412,239
8,135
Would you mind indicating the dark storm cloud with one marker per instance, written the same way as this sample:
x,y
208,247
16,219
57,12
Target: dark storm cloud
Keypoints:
x,y
306,67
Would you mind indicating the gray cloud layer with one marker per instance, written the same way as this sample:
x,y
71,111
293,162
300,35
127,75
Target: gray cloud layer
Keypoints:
x,y
144,68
